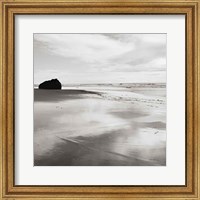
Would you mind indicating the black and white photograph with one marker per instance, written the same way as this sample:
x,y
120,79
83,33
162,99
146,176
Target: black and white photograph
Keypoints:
x,y
100,99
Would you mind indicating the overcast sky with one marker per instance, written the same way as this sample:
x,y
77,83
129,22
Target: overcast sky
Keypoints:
x,y
100,58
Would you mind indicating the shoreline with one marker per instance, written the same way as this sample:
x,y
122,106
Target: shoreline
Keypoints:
x,y
76,127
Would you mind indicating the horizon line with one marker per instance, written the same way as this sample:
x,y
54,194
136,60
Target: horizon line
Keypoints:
x,y
106,83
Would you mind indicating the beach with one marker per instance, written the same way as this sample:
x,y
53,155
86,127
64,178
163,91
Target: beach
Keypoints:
x,y
100,125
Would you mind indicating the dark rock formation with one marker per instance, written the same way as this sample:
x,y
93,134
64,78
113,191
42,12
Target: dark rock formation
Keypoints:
x,y
51,84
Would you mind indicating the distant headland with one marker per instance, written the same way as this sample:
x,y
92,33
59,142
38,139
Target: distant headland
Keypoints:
x,y
54,84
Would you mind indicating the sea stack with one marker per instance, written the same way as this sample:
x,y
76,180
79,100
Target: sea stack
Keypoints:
x,y
53,84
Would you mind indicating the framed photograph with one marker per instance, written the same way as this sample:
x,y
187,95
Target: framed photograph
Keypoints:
x,y
99,99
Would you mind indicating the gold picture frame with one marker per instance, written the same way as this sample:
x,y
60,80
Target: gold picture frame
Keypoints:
x,y
10,8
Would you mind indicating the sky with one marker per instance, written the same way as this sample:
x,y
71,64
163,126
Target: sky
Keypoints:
x,y
100,58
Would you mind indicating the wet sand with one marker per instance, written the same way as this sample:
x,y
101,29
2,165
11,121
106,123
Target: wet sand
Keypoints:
x,y
100,127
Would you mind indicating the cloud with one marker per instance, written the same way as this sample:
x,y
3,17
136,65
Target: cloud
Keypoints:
x,y
86,47
98,54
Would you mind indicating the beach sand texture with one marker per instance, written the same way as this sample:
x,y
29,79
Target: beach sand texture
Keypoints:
x,y
100,125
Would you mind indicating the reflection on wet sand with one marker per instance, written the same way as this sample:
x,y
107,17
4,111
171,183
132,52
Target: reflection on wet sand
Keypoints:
x,y
99,128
